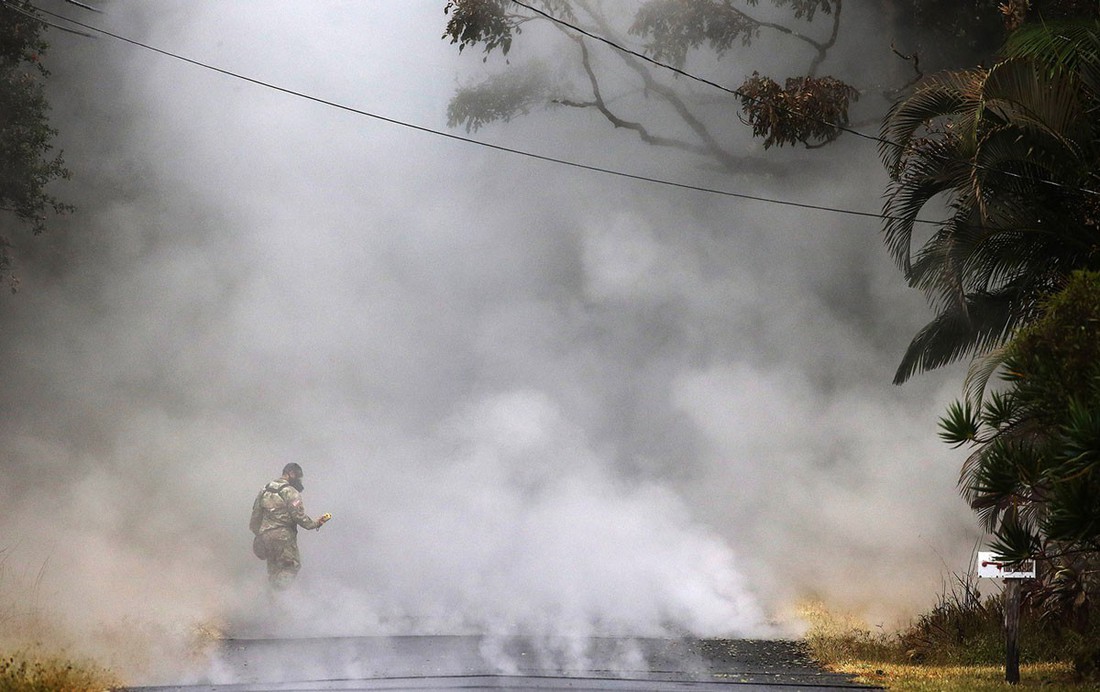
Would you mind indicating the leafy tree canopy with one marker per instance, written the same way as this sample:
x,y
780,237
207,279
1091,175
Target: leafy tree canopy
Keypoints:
x,y
29,163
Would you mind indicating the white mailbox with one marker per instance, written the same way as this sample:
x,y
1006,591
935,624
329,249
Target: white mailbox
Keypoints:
x,y
991,565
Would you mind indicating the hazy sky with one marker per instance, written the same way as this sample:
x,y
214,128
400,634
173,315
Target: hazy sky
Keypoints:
x,y
534,397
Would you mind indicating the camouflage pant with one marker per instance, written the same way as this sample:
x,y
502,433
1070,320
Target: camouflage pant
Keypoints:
x,y
283,561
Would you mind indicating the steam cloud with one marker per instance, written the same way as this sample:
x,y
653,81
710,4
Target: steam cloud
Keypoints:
x,y
535,399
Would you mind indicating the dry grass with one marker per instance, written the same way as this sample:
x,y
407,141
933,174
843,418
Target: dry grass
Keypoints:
x,y
40,660
1054,677
29,672
43,649
839,637
845,644
33,648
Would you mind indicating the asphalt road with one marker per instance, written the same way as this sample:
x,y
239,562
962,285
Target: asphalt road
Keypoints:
x,y
509,663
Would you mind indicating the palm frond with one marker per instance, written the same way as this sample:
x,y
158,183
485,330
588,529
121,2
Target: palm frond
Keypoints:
x,y
1000,411
1020,158
980,370
1080,438
1074,515
988,319
937,270
960,425
1016,541
905,200
998,481
940,96
1020,93
1063,46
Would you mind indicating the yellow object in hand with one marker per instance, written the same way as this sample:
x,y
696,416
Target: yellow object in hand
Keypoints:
x,y
325,517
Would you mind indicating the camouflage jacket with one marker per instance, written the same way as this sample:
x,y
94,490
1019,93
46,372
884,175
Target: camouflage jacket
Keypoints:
x,y
279,506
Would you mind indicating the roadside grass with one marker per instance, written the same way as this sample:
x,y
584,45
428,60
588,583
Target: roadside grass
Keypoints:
x,y
25,671
37,658
957,645
1054,677
34,651
43,649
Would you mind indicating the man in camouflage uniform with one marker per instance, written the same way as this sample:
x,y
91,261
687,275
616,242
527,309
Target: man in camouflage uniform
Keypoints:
x,y
276,515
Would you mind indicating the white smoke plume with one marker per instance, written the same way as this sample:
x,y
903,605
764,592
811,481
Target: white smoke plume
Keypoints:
x,y
536,399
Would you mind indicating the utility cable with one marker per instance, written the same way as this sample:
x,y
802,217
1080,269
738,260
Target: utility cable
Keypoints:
x,y
741,94
83,6
488,145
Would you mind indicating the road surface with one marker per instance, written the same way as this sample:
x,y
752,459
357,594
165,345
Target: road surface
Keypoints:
x,y
508,663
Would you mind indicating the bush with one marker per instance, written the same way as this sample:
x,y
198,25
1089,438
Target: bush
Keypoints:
x,y
1085,650
963,628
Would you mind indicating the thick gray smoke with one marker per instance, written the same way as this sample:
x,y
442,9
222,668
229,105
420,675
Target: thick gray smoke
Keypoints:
x,y
536,399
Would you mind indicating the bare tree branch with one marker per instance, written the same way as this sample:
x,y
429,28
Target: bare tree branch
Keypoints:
x,y
615,120
823,48
914,58
710,145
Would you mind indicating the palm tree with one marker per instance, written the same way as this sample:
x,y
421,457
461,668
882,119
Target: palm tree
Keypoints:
x,y
1011,153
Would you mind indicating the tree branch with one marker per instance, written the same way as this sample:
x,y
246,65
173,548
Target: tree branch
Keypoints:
x,y
914,58
823,48
710,145
615,120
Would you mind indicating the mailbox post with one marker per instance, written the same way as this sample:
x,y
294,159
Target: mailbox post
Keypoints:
x,y
992,566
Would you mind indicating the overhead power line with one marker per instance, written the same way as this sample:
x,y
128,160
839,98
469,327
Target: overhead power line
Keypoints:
x,y
468,140
778,106
83,6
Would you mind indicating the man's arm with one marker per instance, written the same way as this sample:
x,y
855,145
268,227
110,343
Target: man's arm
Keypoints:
x,y
297,510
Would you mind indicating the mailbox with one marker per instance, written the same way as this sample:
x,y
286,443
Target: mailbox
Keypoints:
x,y
991,565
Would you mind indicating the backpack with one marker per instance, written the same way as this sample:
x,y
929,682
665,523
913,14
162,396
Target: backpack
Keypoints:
x,y
259,549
